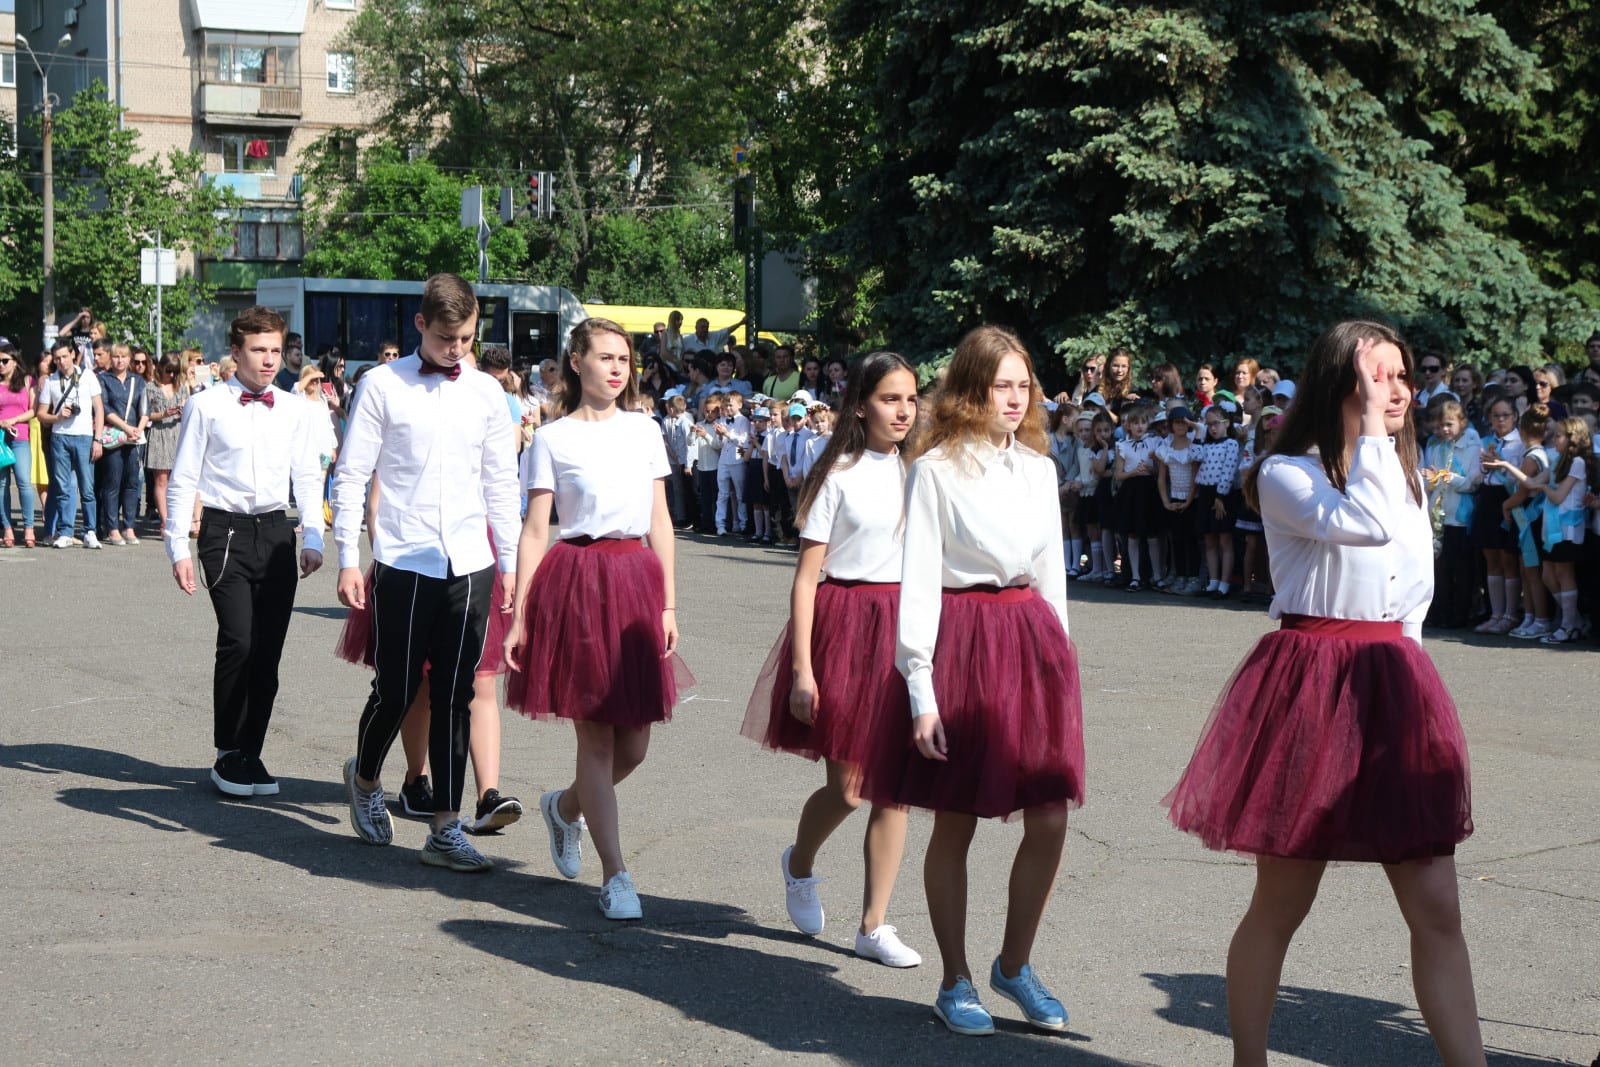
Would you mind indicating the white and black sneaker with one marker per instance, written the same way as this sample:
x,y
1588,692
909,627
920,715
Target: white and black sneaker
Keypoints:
x,y
495,812
416,798
262,784
231,775
619,899
368,817
566,838
449,847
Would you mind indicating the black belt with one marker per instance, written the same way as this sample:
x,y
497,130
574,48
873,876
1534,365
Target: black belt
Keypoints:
x,y
235,518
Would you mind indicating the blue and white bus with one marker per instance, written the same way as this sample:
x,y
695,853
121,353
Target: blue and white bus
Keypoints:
x,y
533,321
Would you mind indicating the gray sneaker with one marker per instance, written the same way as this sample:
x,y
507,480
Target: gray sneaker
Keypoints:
x,y
368,816
566,838
449,847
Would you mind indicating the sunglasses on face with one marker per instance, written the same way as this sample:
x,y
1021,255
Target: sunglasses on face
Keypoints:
x,y
1541,385
1431,368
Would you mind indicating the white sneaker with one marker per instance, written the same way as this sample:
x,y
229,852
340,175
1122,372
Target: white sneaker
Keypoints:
x,y
1534,630
566,838
449,847
618,898
64,541
800,896
90,540
885,946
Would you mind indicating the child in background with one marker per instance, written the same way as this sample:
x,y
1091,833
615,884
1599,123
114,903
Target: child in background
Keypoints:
x,y
676,431
1216,501
1177,458
1533,472
756,487
1257,576
1489,533
1102,460
706,449
821,418
1138,498
1069,482
1452,467
733,431
1565,522
1086,516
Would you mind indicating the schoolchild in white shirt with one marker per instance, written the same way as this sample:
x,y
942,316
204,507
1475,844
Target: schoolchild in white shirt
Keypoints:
x,y
1490,534
984,589
1177,459
1336,740
733,432
831,680
595,628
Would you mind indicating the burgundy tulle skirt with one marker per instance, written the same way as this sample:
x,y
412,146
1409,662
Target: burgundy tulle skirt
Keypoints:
x,y
1006,678
852,654
593,647
355,640
1335,740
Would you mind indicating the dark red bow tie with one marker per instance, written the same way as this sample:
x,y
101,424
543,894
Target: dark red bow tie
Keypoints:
x,y
452,372
265,397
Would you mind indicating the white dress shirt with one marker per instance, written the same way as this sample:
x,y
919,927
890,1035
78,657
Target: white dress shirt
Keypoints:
x,y
856,513
983,516
243,458
445,454
812,451
738,437
602,473
1365,554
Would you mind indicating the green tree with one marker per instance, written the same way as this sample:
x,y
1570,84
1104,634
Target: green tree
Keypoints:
x,y
109,204
1195,182
398,220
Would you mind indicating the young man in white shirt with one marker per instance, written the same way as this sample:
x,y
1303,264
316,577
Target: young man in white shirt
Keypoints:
x,y
69,403
438,435
241,446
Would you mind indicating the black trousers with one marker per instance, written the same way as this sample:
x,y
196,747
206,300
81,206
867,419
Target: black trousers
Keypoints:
x,y
248,564
705,494
418,620
1453,584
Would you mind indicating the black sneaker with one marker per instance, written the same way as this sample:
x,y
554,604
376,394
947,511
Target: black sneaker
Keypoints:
x,y
416,798
262,784
494,813
231,774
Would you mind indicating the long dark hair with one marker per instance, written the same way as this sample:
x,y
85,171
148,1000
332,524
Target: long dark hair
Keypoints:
x,y
849,437
19,373
583,336
1316,420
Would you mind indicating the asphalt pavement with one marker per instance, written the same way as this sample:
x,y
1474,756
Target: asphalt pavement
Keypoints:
x,y
150,921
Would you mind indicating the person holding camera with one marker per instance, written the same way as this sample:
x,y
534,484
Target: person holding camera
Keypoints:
x,y
69,404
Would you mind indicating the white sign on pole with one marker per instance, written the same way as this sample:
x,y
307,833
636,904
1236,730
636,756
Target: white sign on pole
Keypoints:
x,y
472,207
158,271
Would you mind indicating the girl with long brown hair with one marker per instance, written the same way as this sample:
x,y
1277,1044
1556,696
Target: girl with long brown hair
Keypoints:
x,y
1336,740
831,680
983,590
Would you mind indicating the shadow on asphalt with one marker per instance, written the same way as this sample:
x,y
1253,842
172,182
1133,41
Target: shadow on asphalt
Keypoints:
x,y
681,956
338,611
1336,1029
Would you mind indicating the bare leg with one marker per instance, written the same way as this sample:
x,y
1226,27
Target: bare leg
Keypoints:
x,y
161,495
1033,874
885,843
606,755
1283,896
1441,971
414,733
944,879
822,814
484,741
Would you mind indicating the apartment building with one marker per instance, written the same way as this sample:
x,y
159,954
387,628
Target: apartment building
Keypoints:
x,y
251,84
8,66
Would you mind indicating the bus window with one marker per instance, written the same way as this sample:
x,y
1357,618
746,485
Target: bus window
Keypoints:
x,y
534,337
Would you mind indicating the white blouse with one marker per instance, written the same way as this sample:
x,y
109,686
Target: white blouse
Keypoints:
x,y
1365,554
856,513
603,473
1180,464
984,516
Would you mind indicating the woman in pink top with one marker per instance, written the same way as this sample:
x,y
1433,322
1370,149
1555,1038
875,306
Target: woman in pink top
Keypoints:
x,y
16,408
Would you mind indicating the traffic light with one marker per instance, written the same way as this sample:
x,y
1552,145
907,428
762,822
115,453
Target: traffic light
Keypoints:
x,y
541,194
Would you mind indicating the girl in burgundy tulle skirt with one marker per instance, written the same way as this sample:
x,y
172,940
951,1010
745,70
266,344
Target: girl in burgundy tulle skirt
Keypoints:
x,y
993,722
494,810
594,631
831,678
1336,738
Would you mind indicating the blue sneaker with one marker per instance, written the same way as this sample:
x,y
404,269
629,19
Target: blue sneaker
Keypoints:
x,y
1029,994
960,1010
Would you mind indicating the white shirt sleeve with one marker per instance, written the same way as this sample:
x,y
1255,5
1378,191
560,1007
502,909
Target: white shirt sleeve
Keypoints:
x,y
1050,565
363,440
660,464
501,498
541,473
184,482
1310,507
921,589
305,470
824,506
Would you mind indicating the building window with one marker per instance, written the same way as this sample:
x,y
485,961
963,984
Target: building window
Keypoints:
x,y
37,21
340,5
266,233
248,153
8,70
341,72
251,60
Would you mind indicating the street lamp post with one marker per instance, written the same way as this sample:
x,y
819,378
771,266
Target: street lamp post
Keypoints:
x,y
47,128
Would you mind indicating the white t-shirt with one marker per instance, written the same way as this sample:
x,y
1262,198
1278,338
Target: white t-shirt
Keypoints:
x,y
603,473
812,451
1180,468
80,396
856,513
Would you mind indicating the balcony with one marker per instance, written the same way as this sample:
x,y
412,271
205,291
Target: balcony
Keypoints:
x,y
258,187
243,103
